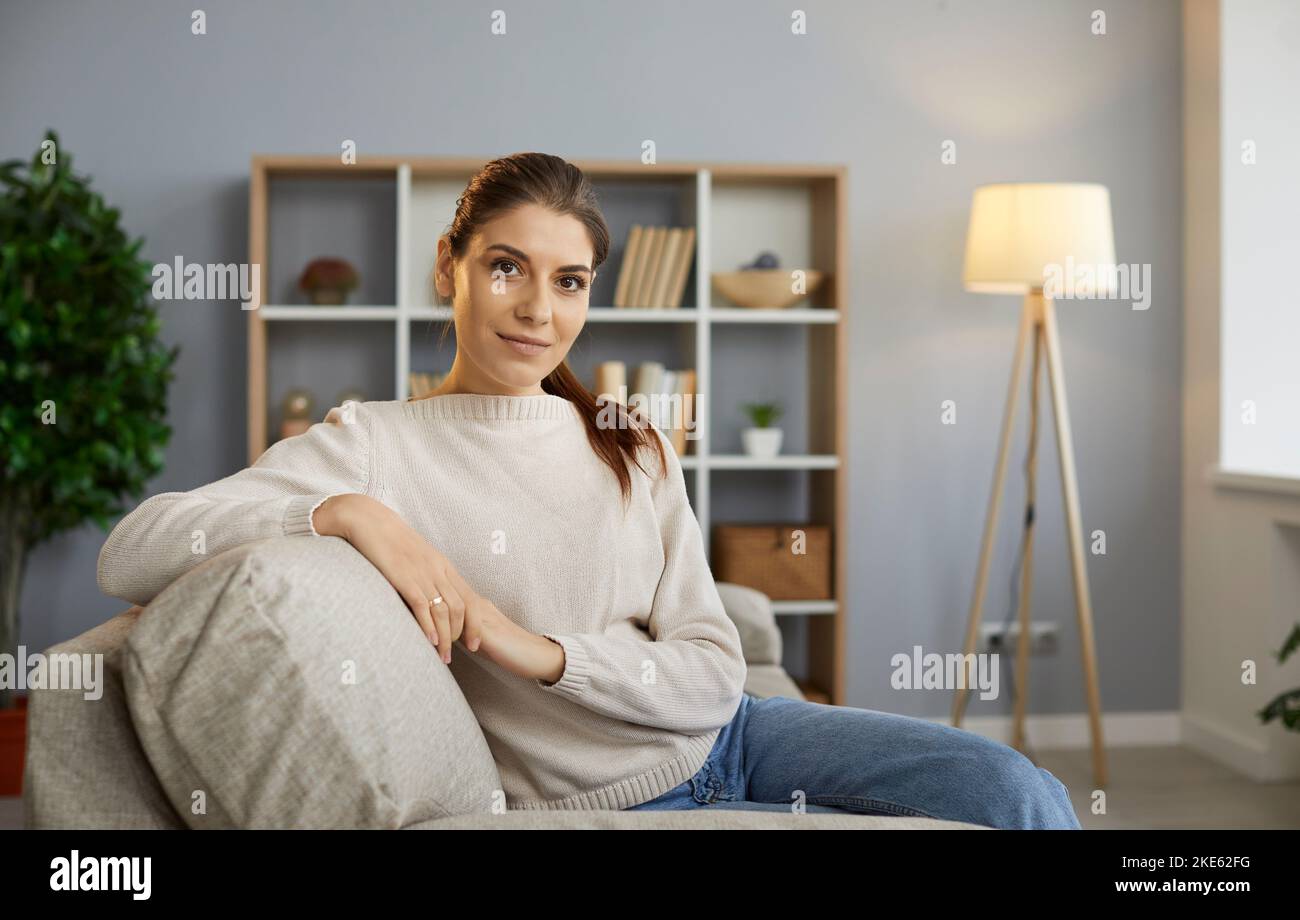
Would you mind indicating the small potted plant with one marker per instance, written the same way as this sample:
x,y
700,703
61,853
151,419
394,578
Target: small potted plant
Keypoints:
x,y
762,440
328,281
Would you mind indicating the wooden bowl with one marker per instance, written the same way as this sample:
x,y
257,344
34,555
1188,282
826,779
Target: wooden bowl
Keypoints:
x,y
764,288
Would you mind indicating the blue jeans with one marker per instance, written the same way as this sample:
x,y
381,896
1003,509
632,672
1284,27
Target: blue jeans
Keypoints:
x,y
777,752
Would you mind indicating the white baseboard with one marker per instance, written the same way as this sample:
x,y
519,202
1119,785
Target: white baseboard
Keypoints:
x,y
1070,731
1249,755
1252,755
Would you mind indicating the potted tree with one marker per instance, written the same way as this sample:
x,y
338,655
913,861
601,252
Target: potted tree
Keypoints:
x,y
83,381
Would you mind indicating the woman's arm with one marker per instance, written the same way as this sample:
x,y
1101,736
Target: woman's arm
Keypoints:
x,y
170,533
685,671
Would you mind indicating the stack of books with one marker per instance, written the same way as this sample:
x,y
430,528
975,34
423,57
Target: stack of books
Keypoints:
x,y
656,262
665,397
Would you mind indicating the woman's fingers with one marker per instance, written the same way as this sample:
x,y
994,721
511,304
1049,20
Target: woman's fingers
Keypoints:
x,y
438,609
449,615
419,604
472,635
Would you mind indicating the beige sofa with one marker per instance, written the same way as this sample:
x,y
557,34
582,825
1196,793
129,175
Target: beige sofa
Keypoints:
x,y
222,706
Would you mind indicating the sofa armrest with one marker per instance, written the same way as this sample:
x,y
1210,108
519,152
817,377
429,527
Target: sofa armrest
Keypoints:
x,y
85,767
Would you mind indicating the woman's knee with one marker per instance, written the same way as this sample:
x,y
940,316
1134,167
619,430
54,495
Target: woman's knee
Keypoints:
x,y
1022,795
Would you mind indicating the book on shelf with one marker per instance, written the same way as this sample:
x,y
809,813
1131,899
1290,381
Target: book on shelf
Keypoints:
x,y
656,263
666,397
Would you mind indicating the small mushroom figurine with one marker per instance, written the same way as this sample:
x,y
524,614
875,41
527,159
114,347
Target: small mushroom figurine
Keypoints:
x,y
329,280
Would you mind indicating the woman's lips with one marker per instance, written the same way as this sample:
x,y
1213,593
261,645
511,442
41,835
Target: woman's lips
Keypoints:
x,y
523,348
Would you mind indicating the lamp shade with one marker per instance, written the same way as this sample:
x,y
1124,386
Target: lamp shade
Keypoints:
x,y
1018,230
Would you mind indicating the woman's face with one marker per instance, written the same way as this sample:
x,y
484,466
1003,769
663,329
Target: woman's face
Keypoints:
x,y
525,276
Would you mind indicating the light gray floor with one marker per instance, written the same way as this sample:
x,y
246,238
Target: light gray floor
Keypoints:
x,y
1172,788
1150,787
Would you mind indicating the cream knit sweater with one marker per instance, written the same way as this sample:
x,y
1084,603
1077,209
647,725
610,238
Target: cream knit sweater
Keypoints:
x,y
509,489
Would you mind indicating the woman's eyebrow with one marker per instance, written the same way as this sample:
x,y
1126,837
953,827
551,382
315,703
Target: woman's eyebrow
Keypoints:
x,y
523,257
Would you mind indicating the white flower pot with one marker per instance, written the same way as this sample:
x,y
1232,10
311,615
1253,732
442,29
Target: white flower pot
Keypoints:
x,y
761,442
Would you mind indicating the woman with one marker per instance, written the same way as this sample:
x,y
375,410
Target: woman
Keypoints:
x,y
559,549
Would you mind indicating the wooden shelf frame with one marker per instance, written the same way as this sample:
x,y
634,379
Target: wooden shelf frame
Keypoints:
x,y
825,322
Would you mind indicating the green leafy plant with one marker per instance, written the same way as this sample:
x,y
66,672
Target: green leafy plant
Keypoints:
x,y
1285,706
763,414
83,376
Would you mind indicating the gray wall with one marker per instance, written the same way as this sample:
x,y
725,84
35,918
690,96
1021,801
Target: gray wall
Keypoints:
x,y
166,122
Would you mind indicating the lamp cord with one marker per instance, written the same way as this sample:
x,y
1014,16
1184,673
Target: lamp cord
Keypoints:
x,y
1015,590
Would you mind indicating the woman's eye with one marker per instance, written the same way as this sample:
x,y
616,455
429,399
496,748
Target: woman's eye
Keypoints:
x,y
580,283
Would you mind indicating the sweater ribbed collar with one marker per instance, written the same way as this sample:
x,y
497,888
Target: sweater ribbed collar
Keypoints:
x,y
491,406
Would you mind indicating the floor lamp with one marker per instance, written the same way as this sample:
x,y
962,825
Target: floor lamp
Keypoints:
x,y
1024,238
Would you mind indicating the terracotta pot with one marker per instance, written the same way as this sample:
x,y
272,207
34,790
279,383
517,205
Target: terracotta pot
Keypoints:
x,y
13,747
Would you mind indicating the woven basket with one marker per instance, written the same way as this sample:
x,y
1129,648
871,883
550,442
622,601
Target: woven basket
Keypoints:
x,y
762,556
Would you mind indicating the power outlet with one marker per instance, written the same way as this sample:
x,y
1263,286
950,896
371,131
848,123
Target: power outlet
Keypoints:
x,y
1043,638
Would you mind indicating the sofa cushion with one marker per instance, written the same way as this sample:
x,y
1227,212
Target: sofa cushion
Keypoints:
x,y
764,680
284,683
751,611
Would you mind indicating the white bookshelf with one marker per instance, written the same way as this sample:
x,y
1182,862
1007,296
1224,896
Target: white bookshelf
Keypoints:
x,y
801,211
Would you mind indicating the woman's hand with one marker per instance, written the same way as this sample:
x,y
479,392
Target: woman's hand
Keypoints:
x,y
419,573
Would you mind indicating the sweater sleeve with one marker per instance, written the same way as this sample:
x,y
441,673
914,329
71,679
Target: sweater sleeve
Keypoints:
x,y
686,671
172,532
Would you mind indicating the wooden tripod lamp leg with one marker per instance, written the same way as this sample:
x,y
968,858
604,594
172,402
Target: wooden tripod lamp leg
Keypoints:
x,y
1027,565
995,499
1074,528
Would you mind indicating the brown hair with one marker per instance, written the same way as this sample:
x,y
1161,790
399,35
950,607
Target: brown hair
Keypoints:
x,y
554,183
